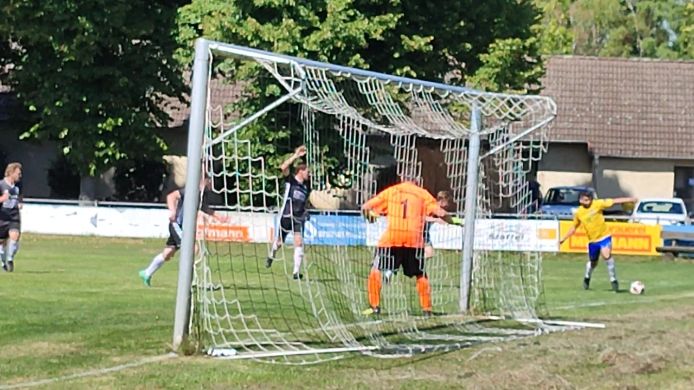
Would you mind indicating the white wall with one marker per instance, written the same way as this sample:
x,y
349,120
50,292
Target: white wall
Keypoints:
x,y
565,165
642,178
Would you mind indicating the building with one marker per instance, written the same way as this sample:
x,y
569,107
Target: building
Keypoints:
x,y
624,126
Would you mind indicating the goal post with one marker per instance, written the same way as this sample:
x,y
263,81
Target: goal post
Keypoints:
x,y
357,125
196,126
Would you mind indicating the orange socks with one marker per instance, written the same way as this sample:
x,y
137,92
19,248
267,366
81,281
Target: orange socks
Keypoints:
x,y
424,291
374,288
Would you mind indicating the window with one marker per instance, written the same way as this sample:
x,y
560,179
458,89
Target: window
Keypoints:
x,y
660,208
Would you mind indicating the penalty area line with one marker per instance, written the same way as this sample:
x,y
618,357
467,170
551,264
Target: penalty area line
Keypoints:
x,y
645,299
88,373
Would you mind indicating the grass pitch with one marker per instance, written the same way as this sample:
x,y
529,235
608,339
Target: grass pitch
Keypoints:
x,y
75,308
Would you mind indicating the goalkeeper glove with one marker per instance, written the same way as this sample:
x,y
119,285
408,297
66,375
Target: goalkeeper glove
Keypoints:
x,y
457,221
370,216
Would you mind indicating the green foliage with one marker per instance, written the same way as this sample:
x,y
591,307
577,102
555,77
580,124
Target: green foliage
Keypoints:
x,y
626,28
511,65
427,40
93,74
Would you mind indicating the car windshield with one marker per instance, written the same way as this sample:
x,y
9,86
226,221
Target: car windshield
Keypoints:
x,y
564,196
660,207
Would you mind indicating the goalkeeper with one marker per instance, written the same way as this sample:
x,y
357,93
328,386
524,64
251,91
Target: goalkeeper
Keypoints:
x,y
406,206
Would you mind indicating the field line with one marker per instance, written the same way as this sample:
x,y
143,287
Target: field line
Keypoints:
x,y
645,299
96,372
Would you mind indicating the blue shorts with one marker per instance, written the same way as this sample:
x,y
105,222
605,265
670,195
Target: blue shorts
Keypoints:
x,y
595,247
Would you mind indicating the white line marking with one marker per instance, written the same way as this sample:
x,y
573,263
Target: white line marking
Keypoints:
x,y
640,301
96,372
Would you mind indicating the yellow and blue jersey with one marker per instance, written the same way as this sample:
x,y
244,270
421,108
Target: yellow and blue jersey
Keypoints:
x,y
592,219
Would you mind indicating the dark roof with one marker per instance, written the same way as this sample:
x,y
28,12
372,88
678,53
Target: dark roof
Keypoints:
x,y
623,107
221,93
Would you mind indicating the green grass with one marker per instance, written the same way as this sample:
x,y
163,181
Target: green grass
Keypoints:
x,y
76,304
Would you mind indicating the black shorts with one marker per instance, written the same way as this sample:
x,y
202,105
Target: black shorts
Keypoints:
x,y
16,225
174,239
427,233
288,224
6,226
411,260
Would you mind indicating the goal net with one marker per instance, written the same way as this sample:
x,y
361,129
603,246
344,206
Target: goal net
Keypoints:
x,y
363,131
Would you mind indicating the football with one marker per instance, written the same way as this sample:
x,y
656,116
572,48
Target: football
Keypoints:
x,y
637,288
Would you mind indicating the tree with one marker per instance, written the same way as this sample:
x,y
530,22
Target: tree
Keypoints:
x,y
611,28
427,40
93,75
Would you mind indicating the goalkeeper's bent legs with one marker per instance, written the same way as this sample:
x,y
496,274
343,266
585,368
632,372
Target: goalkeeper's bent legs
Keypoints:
x,y
424,290
374,288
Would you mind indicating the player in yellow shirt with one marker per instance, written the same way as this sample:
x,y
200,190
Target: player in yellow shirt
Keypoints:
x,y
590,217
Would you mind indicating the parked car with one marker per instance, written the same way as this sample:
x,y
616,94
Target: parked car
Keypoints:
x,y
661,211
563,201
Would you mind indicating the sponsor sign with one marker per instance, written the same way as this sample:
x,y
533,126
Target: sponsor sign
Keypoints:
x,y
627,238
335,230
490,234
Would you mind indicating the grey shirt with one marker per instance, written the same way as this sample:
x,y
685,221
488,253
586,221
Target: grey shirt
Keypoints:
x,y
10,208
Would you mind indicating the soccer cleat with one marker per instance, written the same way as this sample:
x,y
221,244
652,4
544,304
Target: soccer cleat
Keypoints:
x,y
297,276
427,313
372,310
615,286
147,280
586,283
268,262
10,266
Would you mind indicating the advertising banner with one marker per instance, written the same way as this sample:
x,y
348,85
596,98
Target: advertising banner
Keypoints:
x,y
627,238
490,234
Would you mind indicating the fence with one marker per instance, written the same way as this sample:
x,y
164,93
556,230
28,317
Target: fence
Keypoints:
x,y
111,219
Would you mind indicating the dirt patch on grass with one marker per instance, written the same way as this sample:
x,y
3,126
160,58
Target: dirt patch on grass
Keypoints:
x,y
40,349
632,363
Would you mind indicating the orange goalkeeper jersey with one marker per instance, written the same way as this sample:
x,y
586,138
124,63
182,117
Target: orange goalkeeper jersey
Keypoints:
x,y
406,206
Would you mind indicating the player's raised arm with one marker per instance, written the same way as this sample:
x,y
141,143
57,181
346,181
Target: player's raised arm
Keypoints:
x,y
434,209
298,153
624,200
375,206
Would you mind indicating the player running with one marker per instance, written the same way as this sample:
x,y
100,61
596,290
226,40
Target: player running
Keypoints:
x,y
10,222
294,212
590,216
402,244
174,202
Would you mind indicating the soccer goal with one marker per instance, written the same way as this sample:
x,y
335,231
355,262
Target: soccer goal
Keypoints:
x,y
362,129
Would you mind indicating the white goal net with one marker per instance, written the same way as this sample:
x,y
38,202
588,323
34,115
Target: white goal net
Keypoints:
x,y
362,130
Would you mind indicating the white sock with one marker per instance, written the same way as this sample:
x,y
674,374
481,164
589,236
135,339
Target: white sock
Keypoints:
x,y
2,252
12,249
611,269
589,270
275,247
157,262
298,257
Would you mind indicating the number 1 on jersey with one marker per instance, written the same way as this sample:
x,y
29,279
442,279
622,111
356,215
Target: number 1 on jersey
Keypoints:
x,y
404,208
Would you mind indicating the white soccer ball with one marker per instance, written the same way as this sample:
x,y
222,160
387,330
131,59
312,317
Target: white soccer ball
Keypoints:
x,y
637,288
